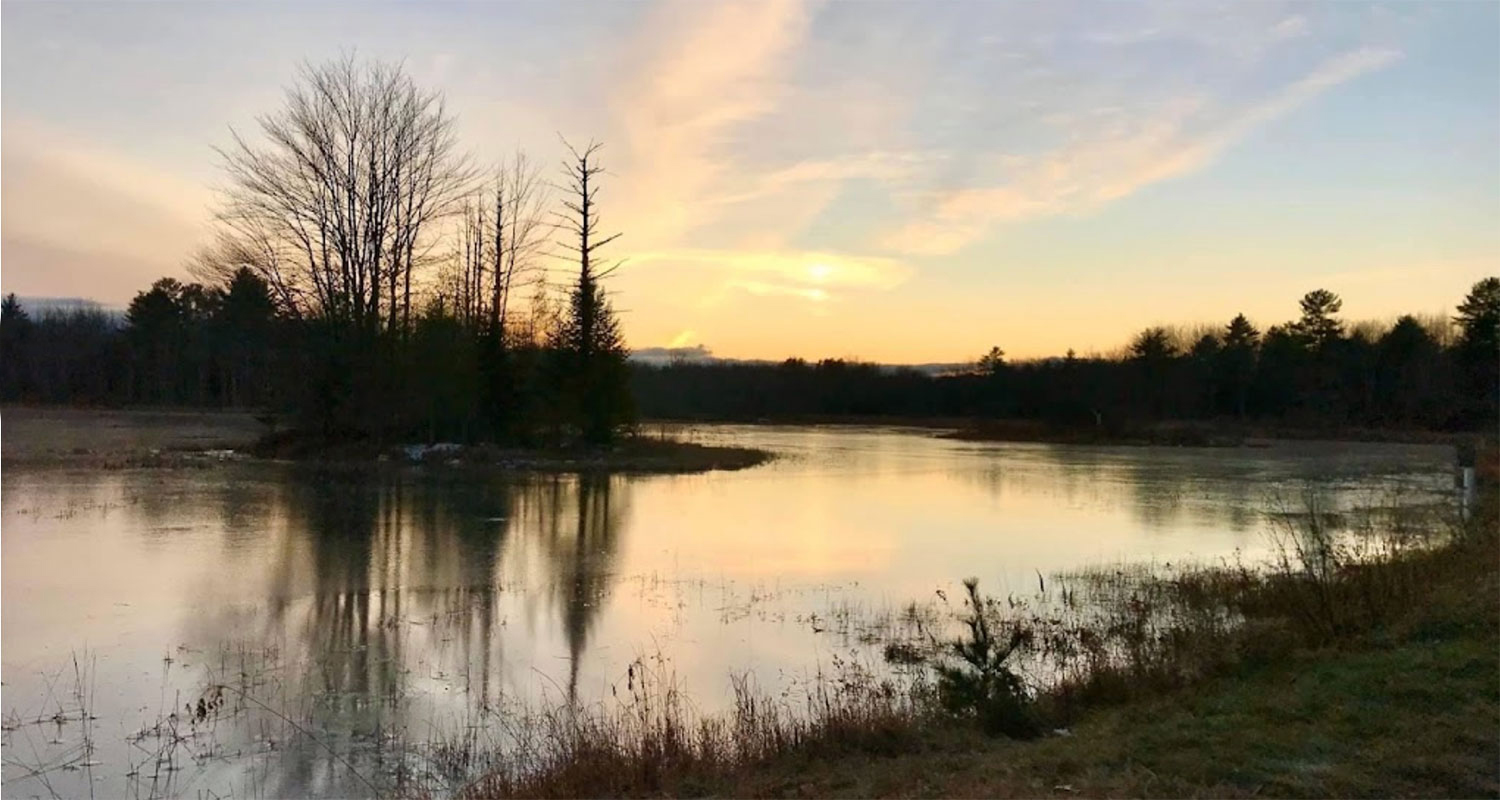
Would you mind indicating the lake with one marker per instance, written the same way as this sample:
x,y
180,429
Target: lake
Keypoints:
x,y
350,611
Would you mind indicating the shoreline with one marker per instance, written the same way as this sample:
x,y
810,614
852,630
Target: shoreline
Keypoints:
x,y
91,438
636,455
147,438
1157,434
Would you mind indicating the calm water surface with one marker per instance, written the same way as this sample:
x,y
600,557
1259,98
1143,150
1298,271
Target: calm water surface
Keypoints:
x,y
408,607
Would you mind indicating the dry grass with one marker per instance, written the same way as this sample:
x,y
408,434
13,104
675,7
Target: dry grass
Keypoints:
x,y
108,438
649,741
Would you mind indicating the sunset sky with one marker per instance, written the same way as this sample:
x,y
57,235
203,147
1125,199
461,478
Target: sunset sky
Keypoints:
x,y
901,182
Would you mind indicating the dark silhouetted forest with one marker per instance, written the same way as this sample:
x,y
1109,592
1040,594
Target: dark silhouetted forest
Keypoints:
x,y
448,378
1313,371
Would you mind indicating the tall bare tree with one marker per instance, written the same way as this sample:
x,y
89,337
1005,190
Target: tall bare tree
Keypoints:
x,y
468,283
337,204
521,231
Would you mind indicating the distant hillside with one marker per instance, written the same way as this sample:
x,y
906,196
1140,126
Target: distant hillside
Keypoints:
x,y
701,355
46,306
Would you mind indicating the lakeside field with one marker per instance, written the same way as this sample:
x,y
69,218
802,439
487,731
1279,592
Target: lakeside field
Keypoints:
x,y
30,434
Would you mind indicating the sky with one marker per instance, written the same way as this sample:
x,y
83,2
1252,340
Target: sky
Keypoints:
x,y
898,182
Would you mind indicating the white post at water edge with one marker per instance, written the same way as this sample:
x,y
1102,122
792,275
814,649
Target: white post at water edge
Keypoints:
x,y
1466,491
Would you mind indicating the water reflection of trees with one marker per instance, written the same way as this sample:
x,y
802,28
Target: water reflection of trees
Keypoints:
x,y
581,559
377,582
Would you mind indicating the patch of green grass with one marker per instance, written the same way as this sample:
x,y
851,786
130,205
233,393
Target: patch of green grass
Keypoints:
x,y
1416,720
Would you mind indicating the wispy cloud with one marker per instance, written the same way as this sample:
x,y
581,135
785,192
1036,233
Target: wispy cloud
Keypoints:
x,y
813,276
1290,28
1096,168
726,64
99,222
883,166
763,289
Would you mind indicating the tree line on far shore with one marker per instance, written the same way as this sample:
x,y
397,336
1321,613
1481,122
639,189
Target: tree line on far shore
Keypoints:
x,y
229,346
1316,371
367,283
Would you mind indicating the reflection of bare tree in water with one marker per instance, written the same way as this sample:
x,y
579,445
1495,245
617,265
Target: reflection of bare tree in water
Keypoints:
x,y
384,552
580,554
379,582
376,579
342,543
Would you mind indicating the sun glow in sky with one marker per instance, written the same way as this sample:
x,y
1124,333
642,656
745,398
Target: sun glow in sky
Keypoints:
x,y
901,182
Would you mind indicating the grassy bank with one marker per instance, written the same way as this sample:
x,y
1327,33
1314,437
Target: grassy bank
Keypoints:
x,y
1355,666
1413,718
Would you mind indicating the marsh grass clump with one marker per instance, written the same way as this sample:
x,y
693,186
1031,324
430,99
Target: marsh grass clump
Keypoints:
x,y
650,741
1335,575
1099,637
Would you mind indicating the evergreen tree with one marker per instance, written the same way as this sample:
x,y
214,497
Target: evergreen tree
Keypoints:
x,y
1153,352
1409,369
156,329
243,338
1478,316
1282,374
1318,323
1478,353
993,362
1203,360
15,336
1236,362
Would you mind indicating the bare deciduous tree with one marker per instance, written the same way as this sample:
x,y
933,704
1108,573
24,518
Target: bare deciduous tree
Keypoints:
x,y
336,207
252,248
521,231
501,231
